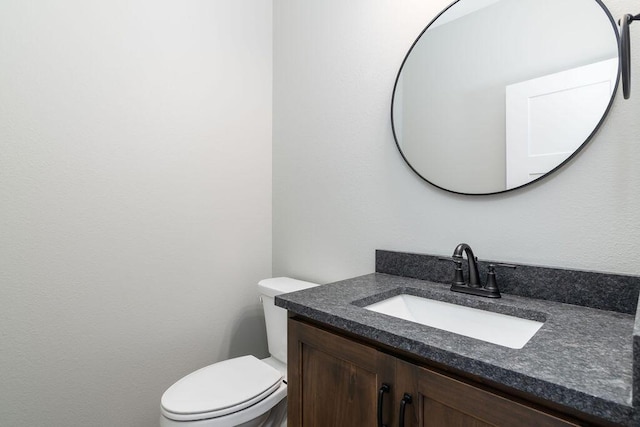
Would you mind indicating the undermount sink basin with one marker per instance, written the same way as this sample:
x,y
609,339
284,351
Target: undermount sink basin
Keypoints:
x,y
496,328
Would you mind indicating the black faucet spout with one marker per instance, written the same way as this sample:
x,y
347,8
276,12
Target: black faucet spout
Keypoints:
x,y
474,276
473,287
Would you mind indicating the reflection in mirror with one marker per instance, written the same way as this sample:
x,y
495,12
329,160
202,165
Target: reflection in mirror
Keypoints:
x,y
496,93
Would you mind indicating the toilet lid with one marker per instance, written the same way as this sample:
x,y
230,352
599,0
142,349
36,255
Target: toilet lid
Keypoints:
x,y
221,388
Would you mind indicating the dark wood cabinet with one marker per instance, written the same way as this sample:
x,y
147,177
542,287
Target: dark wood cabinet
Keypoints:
x,y
335,381
438,400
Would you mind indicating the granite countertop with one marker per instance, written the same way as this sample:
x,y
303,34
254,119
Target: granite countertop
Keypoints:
x,y
581,357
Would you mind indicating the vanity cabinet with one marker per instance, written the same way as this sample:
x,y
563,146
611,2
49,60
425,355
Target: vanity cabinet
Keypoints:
x,y
438,400
337,381
333,381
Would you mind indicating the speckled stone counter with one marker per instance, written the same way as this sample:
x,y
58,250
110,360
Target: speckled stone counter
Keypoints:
x,y
582,357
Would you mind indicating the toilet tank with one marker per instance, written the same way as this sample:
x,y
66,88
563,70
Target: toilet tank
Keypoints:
x,y
276,317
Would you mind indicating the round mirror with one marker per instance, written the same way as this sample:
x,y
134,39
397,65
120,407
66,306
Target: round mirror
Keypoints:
x,y
495,94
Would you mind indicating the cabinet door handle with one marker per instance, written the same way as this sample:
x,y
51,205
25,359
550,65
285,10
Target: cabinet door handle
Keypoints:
x,y
406,399
384,389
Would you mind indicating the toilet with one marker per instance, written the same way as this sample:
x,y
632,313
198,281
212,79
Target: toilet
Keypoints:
x,y
243,391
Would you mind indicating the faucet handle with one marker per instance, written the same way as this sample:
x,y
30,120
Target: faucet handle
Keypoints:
x,y
458,274
492,284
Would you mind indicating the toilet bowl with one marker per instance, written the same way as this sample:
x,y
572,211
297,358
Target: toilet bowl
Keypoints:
x,y
243,391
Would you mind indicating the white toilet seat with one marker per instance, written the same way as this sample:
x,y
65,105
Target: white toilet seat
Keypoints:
x,y
221,389
237,418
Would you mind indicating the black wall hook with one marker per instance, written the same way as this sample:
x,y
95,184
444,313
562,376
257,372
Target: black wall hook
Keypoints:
x,y
625,52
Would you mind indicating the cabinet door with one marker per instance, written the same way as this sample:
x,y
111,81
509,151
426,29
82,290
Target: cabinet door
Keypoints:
x,y
438,400
334,381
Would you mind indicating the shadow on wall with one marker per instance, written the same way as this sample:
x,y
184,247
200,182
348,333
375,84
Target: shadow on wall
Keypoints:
x,y
248,334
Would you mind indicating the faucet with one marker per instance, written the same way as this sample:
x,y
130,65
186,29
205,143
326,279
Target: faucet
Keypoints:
x,y
473,287
474,276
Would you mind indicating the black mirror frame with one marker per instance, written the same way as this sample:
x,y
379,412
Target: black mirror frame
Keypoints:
x,y
552,171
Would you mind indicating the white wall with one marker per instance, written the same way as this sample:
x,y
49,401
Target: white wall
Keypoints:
x,y
341,189
135,201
